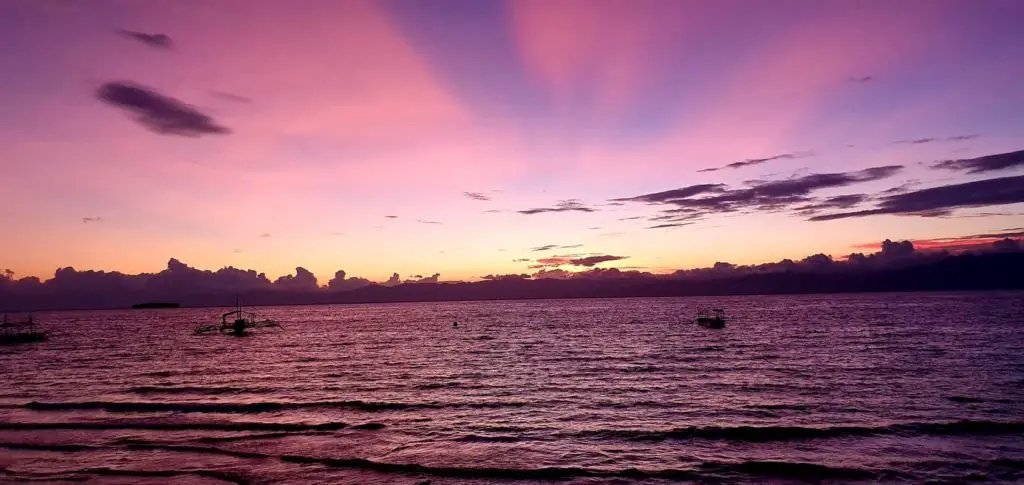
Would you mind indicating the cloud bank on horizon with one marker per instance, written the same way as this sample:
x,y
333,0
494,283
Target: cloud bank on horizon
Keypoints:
x,y
70,288
381,135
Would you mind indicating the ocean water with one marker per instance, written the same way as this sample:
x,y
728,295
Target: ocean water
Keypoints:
x,y
886,388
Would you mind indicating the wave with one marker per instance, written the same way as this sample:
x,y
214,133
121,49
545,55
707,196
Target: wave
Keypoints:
x,y
773,469
792,433
177,426
82,475
797,470
475,438
965,399
781,407
256,407
199,407
189,390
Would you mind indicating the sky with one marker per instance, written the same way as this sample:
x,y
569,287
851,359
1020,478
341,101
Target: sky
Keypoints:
x,y
466,137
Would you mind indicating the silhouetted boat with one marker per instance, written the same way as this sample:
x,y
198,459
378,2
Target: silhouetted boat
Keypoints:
x,y
236,323
711,318
20,332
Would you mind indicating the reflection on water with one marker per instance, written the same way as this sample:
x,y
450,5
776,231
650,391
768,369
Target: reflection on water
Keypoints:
x,y
887,388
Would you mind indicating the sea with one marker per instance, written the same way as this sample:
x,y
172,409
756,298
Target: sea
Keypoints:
x,y
853,388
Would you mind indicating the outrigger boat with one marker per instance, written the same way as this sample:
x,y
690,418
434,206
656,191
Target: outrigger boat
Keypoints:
x,y
711,318
236,323
20,332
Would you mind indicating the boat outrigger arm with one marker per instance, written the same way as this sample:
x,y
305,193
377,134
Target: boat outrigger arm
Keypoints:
x,y
236,322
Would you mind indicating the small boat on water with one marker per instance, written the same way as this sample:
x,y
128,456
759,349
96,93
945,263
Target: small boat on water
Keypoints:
x,y
711,318
236,323
22,332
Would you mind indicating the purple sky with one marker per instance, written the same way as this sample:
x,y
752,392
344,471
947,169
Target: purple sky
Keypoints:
x,y
271,134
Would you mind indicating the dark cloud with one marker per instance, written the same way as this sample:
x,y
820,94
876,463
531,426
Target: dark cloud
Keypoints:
x,y
391,217
1007,245
988,163
631,218
179,282
670,225
570,205
756,195
265,235
303,280
831,203
423,221
552,261
521,260
394,280
341,283
493,211
506,277
86,220
159,113
160,41
1001,240
475,196
758,161
899,189
548,247
943,199
861,79
919,141
675,194
232,97
421,279
985,215
576,260
922,141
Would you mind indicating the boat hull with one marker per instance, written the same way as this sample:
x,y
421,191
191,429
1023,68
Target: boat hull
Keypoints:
x,y
22,338
711,323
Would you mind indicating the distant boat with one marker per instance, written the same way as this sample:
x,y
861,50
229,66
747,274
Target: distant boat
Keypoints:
x,y
236,323
155,304
711,318
20,332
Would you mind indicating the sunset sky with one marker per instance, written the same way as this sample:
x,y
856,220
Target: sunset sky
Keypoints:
x,y
421,137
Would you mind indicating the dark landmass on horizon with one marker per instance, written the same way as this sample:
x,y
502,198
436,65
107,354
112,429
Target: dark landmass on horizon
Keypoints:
x,y
898,266
155,304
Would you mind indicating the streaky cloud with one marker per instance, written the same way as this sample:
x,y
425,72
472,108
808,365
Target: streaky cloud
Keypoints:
x,y
593,260
759,195
987,163
159,41
922,141
476,196
674,194
943,199
568,205
670,225
757,161
232,97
